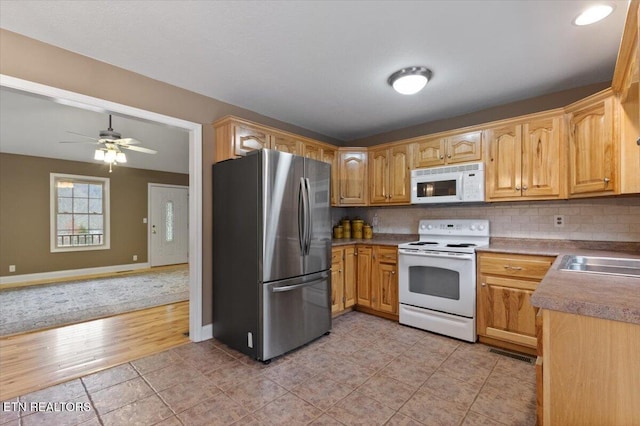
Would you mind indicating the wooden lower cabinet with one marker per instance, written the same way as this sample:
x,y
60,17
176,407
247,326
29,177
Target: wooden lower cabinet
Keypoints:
x,y
505,284
591,372
377,280
343,278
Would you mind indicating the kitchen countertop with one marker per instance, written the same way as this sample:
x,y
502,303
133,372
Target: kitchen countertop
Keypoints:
x,y
378,239
597,295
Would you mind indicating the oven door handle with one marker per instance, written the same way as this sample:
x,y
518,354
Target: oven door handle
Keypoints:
x,y
443,255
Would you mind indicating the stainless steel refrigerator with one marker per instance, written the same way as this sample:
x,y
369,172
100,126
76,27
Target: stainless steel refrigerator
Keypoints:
x,y
271,252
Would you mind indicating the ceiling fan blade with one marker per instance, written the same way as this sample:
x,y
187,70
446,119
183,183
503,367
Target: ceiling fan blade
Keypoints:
x,y
92,143
139,149
80,134
127,141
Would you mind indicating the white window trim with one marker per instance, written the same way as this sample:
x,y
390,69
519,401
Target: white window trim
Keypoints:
x,y
53,216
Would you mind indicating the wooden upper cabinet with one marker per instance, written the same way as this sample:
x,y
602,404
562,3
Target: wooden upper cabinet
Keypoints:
x,y
313,151
400,174
330,156
428,153
464,147
352,166
390,175
378,176
248,138
542,157
526,159
504,165
592,152
460,148
286,143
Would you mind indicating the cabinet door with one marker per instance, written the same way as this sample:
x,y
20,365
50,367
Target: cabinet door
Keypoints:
x,y
285,144
399,174
353,177
504,165
428,153
378,176
384,280
541,157
591,150
349,276
312,151
248,138
337,281
329,156
363,276
464,147
385,294
505,311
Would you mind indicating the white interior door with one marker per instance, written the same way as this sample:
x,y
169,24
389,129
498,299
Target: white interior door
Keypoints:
x,y
168,224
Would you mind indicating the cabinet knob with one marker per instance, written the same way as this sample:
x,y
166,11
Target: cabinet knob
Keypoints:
x,y
442,157
483,284
524,187
513,268
448,155
393,272
340,270
517,187
607,180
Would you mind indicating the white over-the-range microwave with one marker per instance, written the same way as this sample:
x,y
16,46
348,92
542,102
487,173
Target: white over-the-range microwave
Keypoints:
x,y
448,184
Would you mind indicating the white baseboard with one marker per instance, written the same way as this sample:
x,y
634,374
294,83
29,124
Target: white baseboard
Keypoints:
x,y
206,332
71,273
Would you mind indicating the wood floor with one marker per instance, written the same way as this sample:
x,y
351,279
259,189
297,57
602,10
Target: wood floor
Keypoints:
x,y
33,361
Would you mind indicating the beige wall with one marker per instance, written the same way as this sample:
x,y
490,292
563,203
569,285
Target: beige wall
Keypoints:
x,y
24,214
32,60
514,109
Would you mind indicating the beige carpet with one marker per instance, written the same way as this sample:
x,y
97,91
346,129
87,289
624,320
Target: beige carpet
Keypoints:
x,y
50,305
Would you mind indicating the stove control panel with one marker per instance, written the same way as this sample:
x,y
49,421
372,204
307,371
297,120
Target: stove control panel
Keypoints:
x,y
459,227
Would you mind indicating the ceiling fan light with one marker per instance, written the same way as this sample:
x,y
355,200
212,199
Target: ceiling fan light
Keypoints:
x,y
110,156
99,155
593,14
409,81
121,158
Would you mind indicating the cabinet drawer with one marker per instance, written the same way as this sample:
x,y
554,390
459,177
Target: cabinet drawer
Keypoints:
x,y
513,265
336,255
387,254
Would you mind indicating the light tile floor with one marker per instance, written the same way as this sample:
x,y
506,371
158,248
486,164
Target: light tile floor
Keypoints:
x,y
369,371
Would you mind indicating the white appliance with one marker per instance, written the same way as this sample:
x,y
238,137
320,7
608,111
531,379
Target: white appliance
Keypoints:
x,y
437,277
449,184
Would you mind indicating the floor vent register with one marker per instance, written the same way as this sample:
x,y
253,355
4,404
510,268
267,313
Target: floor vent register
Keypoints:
x,y
519,357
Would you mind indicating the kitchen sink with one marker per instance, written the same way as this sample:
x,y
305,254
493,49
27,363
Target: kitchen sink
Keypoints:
x,y
601,265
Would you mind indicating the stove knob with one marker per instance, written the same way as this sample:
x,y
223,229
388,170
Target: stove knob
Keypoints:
x,y
472,227
480,227
429,227
423,226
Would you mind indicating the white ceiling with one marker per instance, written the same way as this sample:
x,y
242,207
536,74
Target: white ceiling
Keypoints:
x,y
32,125
323,65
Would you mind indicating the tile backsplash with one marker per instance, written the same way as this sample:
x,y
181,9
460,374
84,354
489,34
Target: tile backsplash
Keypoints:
x,y
596,219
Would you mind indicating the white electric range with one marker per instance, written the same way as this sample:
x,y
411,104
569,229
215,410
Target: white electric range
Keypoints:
x,y
437,277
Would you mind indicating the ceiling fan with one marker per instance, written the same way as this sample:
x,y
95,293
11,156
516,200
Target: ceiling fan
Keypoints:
x,y
110,143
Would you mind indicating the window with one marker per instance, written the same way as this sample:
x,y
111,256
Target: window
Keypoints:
x,y
79,213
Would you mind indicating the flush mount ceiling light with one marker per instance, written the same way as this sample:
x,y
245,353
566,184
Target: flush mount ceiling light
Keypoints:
x,y
410,80
593,14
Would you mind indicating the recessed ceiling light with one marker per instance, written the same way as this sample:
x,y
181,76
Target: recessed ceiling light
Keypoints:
x,y
593,14
410,80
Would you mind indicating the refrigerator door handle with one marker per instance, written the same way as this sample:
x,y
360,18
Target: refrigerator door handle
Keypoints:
x,y
295,286
309,217
301,217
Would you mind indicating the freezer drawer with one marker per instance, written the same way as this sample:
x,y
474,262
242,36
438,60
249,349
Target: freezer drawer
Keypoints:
x,y
295,311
